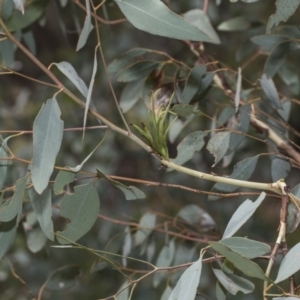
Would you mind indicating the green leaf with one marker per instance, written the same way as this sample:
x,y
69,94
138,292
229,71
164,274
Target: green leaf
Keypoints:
x,y
184,110
42,206
241,215
29,40
155,17
188,146
234,283
293,217
19,5
193,83
220,292
131,94
238,90
269,42
126,248
244,264
130,192
200,19
164,259
186,287
290,264
7,51
146,225
218,145
280,168
12,206
270,90
284,9
234,24
242,171
63,278
8,232
47,137
138,70
62,179
166,294
276,59
289,76
245,247
177,126
81,209
87,27
3,163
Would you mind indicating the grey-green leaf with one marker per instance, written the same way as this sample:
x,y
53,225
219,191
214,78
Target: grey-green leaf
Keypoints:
x,y
3,163
242,214
234,24
63,178
269,42
47,137
12,206
290,264
155,17
8,232
242,171
270,90
284,9
244,264
245,247
218,145
188,146
234,283
280,168
146,225
81,209
42,206
186,287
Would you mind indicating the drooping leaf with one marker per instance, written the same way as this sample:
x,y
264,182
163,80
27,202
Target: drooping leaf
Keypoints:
x,y
126,248
238,90
234,283
244,264
63,278
290,264
130,192
218,145
146,225
29,40
242,170
270,90
62,179
125,293
245,247
87,27
131,94
8,232
220,291
81,209
47,137
138,70
164,259
284,9
276,59
3,163
12,206
186,287
200,19
42,206
193,83
195,215
188,146
155,17
234,24
280,168
241,215
19,5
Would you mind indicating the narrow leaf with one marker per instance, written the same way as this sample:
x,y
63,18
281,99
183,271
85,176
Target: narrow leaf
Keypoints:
x,y
242,214
186,287
146,225
81,209
234,283
188,146
290,264
245,247
87,27
126,248
47,138
218,145
42,206
234,24
270,90
8,232
12,206
155,17
244,264
284,9
63,178
238,90
3,163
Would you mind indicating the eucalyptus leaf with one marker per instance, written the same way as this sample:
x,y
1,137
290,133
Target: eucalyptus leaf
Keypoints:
x,y
234,24
155,17
19,5
270,90
241,215
218,145
269,42
81,209
290,77
47,138
280,168
146,225
8,232
62,179
220,291
35,239
3,163
166,294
